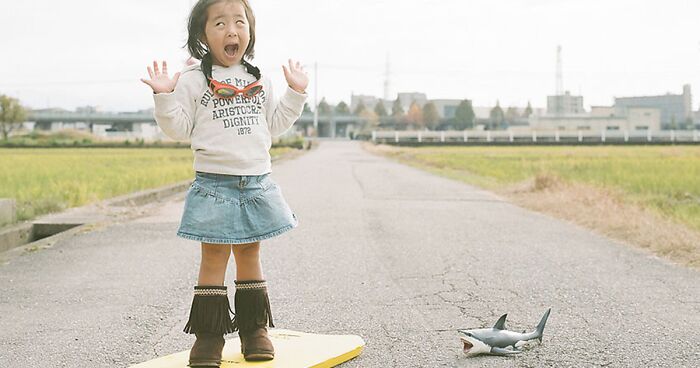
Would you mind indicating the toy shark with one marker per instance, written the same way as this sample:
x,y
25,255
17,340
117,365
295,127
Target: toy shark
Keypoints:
x,y
495,340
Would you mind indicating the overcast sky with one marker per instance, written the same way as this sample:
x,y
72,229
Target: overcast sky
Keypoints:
x,y
93,52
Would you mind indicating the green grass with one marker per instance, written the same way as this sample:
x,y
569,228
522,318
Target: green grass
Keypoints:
x,y
662,178
49,180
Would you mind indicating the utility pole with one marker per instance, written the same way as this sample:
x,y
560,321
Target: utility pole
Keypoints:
x,y
316,98
560,73
559,93
387,78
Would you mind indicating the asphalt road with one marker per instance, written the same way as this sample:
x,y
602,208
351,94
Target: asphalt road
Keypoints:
x,y
400,257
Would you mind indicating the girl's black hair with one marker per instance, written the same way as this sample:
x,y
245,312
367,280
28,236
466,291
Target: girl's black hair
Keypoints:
x,y
200,51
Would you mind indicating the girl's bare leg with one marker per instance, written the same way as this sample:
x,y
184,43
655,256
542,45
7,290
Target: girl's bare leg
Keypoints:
x,y
247,258
215,258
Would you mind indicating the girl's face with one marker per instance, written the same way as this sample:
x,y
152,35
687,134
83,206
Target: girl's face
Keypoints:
x,y
227,32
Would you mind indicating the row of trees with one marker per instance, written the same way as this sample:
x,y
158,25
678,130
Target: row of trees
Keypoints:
x,y
687,124
418,117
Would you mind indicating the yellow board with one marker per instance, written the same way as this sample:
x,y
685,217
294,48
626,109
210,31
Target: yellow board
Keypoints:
x,y
292,350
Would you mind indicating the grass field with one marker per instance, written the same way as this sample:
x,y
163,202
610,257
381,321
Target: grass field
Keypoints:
x,y
48,180
665,179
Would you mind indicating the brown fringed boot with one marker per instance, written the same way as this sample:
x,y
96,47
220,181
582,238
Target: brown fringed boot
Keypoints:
x,y
209,321
252,315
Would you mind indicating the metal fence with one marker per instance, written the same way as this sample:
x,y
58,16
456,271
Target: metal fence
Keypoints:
x,y
506,137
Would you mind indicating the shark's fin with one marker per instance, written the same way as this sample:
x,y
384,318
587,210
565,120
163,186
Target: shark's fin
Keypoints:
x,y
540,326
503,351
501,323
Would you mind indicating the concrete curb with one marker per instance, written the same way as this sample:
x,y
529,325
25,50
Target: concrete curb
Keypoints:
x,y
14,235
8,211
44,231
48,242
147,196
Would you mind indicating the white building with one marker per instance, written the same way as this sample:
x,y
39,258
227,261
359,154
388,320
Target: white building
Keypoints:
x,y
446,108
565,104
407,98
674,108
368,102
601,118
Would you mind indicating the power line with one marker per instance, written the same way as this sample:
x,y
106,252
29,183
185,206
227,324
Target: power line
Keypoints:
x,y
28,84
448,73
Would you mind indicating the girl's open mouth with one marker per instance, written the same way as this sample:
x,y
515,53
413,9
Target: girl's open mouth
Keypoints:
x,y
231,50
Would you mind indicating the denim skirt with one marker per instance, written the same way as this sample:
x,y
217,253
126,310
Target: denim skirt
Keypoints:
x,y
232,209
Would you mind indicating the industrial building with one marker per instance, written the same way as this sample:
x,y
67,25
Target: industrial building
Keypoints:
x,y
674,108
601,118
565,104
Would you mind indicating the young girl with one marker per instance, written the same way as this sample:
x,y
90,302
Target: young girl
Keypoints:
x,y
227,111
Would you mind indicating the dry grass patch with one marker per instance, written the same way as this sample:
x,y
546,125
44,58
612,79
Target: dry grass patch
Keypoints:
x,y
606,212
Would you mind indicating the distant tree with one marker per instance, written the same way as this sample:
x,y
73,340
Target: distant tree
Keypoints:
x,y
512,114
342,108
307,109
689,124
12,114
379,109
528,110
414,117
323,107
673,125
397,109
398,115
464,116
431,118
371,120
359,108
496,116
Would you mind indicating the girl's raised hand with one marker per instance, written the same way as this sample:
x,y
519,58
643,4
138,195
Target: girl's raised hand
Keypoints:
x,y
160,82
296,77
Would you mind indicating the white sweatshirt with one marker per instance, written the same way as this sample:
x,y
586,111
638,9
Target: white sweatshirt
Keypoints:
x,y
228,136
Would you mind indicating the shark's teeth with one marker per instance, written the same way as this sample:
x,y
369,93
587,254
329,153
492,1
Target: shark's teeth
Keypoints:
x,y
467,346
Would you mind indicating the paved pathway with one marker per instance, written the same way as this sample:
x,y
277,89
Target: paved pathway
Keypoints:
x,y
396,255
